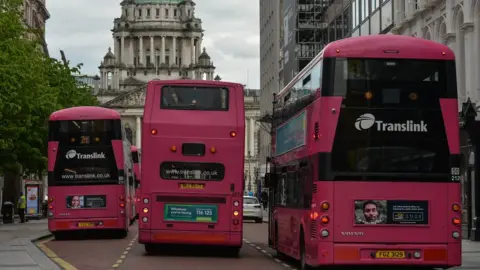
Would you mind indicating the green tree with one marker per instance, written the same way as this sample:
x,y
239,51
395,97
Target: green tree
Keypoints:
x,y
32,86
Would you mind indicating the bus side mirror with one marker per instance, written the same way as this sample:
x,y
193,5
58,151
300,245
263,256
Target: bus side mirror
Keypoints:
x,y
270,180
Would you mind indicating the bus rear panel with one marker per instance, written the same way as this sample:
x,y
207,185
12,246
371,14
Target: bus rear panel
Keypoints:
x,y
375,180
192,166
86,171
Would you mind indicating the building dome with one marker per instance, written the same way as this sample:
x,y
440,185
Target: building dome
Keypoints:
x,y
158,1
204,55
109,54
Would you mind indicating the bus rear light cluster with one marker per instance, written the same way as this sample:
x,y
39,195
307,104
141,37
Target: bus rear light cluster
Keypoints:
x,y
173,148
122,205
456,207
122,198
236,213
213,150
154,132
316,131
233,134
456,221
145,210
324,233
314,215
145,200
145,219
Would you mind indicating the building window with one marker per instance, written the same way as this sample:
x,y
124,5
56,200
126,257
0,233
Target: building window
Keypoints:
x,y
145,73
166,13
188,13
139,13
175,13
387,15
148,12
167,59
158,12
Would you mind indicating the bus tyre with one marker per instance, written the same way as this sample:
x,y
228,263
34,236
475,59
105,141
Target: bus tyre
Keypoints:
x,y
303,262
149,248
233,251
259,220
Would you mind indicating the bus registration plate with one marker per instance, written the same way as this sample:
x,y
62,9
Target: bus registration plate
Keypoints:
x,y
191,186
390,254
85,224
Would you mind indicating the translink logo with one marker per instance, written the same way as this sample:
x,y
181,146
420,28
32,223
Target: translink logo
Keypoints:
x,y
71,154
366,121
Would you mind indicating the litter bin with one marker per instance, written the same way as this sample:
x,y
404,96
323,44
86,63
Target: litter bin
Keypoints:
x,y
8,212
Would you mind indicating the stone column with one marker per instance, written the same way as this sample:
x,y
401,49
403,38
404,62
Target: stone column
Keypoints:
x,y
192,48
152,50
139,132
140,48
122,49
467,29
198,49
116,49
174,50
162,51
246,137
252,136
132,51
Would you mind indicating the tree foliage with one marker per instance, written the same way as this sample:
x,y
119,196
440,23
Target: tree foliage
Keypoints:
x,y
32,86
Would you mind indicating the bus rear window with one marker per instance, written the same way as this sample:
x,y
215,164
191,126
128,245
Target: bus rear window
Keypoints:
x,y
85,132
192,171
194,98
390,83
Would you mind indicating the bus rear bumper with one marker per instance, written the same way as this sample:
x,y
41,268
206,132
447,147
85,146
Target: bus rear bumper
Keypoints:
x,y
428,255
233,239
55,225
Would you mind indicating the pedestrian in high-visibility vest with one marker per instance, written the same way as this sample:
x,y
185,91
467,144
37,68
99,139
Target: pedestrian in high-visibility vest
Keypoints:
x,y
21,205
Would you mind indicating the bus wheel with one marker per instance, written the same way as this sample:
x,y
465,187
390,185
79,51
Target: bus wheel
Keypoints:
x,y
259,220
303,262
150,248
233,251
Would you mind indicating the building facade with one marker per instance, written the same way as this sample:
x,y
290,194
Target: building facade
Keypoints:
x,y
35,16
153,39
252,133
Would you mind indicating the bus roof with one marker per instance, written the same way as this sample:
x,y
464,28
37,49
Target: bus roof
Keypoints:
x,y
377,46
388,46
84,113
194,83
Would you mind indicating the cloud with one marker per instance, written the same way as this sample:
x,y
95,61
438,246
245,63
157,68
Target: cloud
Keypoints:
x,y
82,29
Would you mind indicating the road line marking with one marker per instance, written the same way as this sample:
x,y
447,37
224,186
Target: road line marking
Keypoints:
x,y
54,257
270,255
128,248
123,257
115,266
119,261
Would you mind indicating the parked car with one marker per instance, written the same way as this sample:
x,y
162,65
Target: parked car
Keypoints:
x,y
252,210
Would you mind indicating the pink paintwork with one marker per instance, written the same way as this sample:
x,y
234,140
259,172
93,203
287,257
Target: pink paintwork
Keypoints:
x,y
174,128
115,216
348,243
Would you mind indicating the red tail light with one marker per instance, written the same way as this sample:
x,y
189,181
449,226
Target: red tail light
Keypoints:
x,y
122,205
122,198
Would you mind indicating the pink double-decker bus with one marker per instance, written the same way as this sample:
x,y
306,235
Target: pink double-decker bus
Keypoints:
x,y
136,173
193,139
89,165
365,164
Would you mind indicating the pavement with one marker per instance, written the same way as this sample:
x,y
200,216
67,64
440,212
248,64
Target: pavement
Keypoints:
x,y
17,250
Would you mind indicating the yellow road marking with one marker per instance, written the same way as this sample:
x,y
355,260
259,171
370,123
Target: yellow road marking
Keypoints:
x,y
125,253
51,255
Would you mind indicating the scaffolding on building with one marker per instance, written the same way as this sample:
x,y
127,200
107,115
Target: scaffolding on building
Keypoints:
x,y
311,29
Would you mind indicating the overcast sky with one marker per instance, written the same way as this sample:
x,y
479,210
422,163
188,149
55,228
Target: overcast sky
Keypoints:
x,y
81,28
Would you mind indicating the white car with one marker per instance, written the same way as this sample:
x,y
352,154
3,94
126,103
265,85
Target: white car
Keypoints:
x,y
252,209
